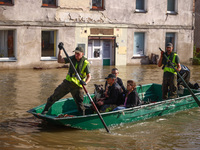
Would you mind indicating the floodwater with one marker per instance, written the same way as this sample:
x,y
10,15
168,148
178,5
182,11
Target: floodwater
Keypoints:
x,y
21,90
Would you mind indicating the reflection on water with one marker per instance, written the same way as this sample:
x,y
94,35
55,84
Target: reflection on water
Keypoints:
x,y
21,90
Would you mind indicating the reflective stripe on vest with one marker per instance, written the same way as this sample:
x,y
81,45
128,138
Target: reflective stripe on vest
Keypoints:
x,y
170,68
82,74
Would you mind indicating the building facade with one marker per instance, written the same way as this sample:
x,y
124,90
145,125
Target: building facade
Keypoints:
x,y
111,32
197,25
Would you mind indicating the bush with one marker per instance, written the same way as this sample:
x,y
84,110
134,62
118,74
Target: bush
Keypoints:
x,y
196,61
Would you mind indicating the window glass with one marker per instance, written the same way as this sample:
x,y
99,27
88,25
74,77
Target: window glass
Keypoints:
x,y
48,3
138,43
5,2
49,43
96,53
94,49
106,49
97,4
140,4
96,42
170,38
7,43
170,5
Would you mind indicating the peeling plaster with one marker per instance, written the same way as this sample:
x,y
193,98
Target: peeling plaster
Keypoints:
x,y
82,17
2,17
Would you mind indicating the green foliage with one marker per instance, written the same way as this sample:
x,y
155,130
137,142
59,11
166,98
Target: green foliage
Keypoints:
x,y
196,61
196,56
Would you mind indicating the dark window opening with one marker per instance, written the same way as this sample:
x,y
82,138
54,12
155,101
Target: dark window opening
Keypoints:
x,y
49,3
6,43
6,2
98,4
48,43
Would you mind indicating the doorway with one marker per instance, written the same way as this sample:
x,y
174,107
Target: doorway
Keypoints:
x,y
102,50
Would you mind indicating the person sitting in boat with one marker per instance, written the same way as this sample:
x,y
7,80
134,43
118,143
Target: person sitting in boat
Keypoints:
x,y
131,98
118,80
185,74
114,94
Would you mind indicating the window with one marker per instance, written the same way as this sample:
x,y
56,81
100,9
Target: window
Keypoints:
x,y
7,45
171,38
49,44
171,6
6,2
139,40
97,4
49,3
140,6
94,48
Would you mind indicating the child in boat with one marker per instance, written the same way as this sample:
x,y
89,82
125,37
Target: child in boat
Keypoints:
x,y
131,98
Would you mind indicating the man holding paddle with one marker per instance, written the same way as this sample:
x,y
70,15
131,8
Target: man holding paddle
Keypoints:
x,y
170,75
72,84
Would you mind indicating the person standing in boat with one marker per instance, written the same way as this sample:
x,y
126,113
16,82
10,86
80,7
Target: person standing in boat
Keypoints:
x,y
170,75
71,83
131,98
114,95
118,80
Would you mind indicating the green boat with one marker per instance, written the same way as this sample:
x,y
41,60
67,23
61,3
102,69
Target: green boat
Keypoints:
x,y
64,112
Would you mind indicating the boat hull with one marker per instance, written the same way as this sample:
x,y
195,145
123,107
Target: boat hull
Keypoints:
x,y
156,107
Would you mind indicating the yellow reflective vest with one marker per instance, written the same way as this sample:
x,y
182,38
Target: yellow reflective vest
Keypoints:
x,y
169,68
73,78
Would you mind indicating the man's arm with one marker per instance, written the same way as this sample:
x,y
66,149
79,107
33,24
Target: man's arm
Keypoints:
x,y
60,58
178,67
160,60
88,78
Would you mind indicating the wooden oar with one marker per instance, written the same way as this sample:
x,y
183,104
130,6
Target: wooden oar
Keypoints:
x,y
77,75
195,98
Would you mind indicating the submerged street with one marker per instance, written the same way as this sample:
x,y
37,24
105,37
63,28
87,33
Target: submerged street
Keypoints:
x,y
21,90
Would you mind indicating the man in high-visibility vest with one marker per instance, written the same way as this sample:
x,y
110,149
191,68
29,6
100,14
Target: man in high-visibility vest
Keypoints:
x,y
71,83
170,75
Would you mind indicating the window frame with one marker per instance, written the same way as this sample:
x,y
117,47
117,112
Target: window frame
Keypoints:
x,y
141,10
173,42
175,11
7,4
144,42
49,58
98,8
50,5
4,59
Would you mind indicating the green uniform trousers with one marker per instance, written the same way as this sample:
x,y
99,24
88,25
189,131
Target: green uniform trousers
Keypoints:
x,y
64,88
169,85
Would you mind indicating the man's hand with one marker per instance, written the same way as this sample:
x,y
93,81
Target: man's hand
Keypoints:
x,y
82,82
162,53
60,45
100,103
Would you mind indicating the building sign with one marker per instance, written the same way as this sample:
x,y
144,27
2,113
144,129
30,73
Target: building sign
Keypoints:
x,y
101,31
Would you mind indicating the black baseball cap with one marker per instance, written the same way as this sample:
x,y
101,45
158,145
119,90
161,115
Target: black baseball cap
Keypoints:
x,y
111,76
78,50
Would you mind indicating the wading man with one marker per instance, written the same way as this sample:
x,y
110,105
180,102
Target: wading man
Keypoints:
x,y
71,83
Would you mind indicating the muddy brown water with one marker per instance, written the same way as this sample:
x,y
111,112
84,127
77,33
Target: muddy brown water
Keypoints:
x,y
21,90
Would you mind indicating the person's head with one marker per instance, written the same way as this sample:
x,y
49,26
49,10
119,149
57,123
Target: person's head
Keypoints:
x,y
131,85
169,48
115,71
110,79
78,53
